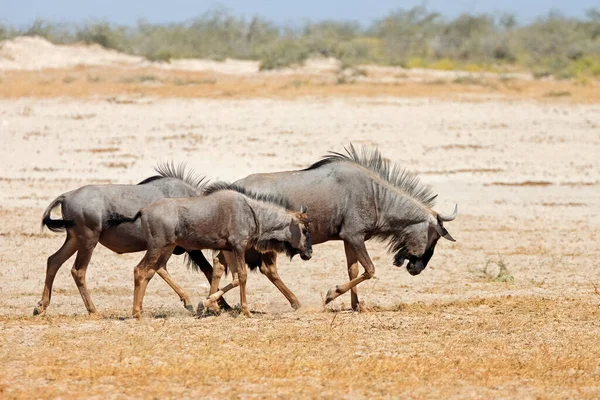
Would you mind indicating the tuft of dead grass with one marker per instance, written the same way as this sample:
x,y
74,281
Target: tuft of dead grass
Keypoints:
x,y
495,270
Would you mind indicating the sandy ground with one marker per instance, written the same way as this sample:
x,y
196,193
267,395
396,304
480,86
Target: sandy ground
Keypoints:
x,y
526,177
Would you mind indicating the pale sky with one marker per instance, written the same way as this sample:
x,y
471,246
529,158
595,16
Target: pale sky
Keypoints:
x,y
22,12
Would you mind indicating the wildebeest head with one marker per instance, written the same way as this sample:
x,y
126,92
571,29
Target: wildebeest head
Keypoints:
x,y
420,240
301,240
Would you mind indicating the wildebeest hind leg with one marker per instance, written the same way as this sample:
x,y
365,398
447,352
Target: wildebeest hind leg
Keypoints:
x,y
153,260
185,298
87,243
209,272
55,261
242,276
229,259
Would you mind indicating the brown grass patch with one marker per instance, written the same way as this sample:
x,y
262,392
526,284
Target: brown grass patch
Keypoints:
x,y
97,150
113,82
511,347
524,183
82,116
570,204
463,171
117,164
462,147
578,183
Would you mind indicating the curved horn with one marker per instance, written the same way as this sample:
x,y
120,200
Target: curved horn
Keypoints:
x,y
444,233
445,218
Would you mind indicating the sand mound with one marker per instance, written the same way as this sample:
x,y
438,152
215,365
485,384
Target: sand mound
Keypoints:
x,y
31,53
34,53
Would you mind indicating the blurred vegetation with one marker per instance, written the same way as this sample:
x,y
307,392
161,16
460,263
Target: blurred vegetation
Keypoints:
x,y
554,44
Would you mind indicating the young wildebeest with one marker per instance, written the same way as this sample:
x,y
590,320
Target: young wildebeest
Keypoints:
x,y
354,197
226,217
88,214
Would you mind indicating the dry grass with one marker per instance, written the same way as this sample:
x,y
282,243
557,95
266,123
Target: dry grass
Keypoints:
x,y
463,171
511,346
160,83
97,150
524,183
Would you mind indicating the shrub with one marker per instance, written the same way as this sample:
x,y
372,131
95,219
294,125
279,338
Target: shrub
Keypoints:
x,y
551,45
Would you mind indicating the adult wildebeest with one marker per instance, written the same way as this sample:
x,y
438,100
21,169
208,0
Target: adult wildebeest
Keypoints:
x,y
354,197
88,214
226,217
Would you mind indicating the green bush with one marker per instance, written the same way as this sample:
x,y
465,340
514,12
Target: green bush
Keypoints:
x,y
104,34
284,53
552,45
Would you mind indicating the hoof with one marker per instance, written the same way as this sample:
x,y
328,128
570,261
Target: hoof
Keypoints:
x,y
224,306
204,311
38,311
200,309
296,306
331,295
190,308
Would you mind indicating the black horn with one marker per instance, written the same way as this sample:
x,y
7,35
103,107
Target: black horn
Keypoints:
x,y
452,217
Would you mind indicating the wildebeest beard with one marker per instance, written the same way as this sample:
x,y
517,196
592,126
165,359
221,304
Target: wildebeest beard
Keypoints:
x,y
278,247
416,265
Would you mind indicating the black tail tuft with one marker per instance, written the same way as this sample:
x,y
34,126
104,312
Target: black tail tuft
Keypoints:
x,y
118,219
56,225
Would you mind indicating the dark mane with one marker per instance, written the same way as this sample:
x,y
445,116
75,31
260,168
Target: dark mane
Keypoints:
x,y
170,170
264,197
395,175
151,179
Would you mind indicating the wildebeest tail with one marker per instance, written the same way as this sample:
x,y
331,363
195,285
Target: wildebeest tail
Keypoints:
x,y
118,219
55,225
197,262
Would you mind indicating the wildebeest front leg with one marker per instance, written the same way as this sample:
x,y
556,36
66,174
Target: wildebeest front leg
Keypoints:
x,y
243,275
55,261
360,250
268,268
185,298
352,263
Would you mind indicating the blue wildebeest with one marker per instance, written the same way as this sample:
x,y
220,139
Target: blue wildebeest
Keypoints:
x,y
354,197
88,214
226,217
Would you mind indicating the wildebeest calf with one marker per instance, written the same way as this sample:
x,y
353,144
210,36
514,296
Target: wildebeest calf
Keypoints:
x,y
226,218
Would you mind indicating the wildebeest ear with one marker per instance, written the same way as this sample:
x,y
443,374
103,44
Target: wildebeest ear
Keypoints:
x,y
444,233
303,210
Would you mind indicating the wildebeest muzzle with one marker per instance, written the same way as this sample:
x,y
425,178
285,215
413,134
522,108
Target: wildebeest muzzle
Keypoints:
x,y
306,255
416,265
